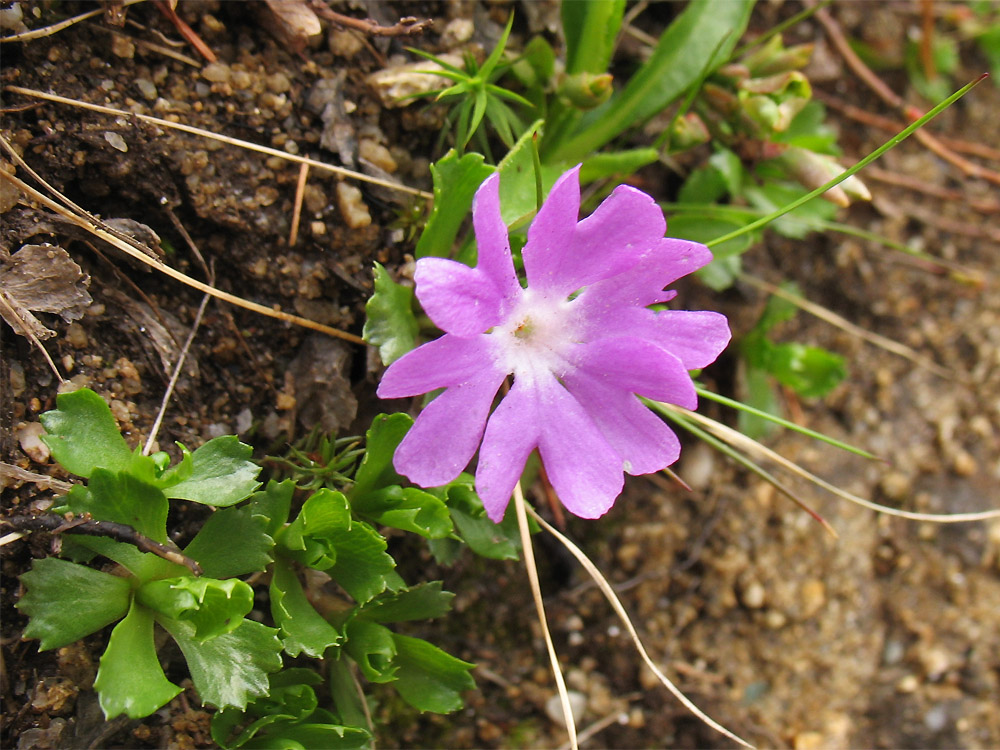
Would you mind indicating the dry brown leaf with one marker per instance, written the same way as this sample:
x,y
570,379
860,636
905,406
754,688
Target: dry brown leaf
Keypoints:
x,y
41,278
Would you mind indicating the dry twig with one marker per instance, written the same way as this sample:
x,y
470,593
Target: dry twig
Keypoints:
x,y
408,26
890,97
86,526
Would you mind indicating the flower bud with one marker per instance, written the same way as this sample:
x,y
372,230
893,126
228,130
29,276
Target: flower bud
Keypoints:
x,y
586,90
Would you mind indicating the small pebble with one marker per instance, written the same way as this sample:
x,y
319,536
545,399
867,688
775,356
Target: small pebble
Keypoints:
x,y
216,72
963,464
147,88
352,207
29,437
76,336
377,154
577,705
116,141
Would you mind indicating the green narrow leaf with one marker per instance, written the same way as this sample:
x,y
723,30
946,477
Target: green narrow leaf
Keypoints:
x,y
424,601
215,551
455,183
590,28
303,629
372,646
704,28
517,179
428,678
66,601
389,321
345,694
130,679
123,499
230,669
213,607
83,435
222,474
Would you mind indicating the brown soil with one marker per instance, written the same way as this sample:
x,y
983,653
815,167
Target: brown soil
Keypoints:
x,y
886,637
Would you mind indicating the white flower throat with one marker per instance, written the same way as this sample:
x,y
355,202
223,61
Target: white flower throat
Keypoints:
x,y
537,336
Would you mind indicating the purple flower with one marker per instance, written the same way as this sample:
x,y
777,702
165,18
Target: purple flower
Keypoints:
x,y
579,341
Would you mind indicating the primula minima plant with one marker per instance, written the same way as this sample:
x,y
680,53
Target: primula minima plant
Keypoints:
x,y
579,340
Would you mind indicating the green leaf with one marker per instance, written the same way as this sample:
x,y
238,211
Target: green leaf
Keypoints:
x,y
424,601
345,694
308,538
66,601
810,371
143,565
759,389
123,499
605,165
230,669
455,183
214,548
83,435
363,568
213,607
222,474
408,509
703,29
389,321
807,218
725,266
591,29
376,471
178,473
273,503
130,679
517,179
428,678
372,646
303,629
495,541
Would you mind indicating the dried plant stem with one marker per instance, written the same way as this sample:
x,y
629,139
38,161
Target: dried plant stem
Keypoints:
x,y
741,441
848,327
536,592
612,597
175,375
45,31
129,250
935,191
28,332
86,526
890,97
221,138
300,191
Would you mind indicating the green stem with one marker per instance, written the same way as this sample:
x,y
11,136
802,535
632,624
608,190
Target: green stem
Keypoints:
x,y
891,143
705,393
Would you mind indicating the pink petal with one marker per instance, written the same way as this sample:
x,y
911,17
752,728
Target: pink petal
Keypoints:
x,y
624,228
642,285
445,435
511,435
696,337
552,230
637,366
446,361
584,469
492,241
645,443
460,300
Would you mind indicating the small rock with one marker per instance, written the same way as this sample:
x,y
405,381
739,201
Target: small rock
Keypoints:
x,y
963,464
813,597
457,32
352,207
753,595
216,72
116,141
76,336
896,485
278,83
377,154
29,436
344,43
147,88
577,705
122,46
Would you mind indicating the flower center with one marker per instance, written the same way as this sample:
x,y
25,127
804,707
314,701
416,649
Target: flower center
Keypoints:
x,y
536,337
